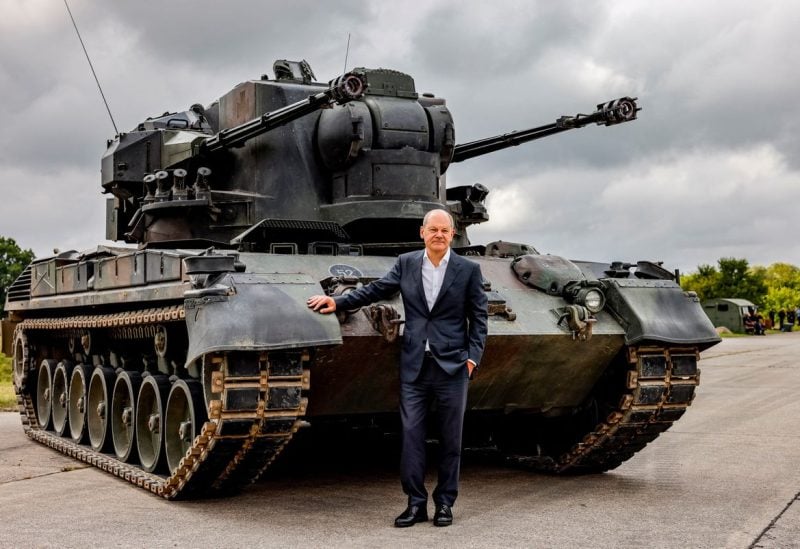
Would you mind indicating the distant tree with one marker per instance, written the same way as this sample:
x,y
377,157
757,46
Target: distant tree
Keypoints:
x,y
782,275
13,261
703,282
736,279
783,287
732,278
778,298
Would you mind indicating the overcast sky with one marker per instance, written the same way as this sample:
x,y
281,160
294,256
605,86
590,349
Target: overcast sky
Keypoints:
x,y
710,169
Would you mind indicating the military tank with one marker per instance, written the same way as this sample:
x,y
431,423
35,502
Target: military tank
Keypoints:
x,y
185,361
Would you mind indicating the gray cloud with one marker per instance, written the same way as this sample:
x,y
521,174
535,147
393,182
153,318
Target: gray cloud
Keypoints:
x,y
709,170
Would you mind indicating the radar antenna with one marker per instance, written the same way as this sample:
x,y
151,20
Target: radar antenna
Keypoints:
x,y
116,131
346,53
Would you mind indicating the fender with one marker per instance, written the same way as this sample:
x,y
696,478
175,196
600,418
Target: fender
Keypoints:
x,y
659,311
257,312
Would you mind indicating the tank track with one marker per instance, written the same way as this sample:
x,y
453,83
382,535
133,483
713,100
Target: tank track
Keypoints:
x,y
660,385
241,437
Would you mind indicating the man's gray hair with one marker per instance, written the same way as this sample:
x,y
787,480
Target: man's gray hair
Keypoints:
x,y
430,214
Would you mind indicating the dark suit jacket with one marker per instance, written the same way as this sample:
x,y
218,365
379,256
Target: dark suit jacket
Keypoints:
x,y
455,327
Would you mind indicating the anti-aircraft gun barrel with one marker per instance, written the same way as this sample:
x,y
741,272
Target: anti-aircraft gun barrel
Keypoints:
x,y
607,114
346,88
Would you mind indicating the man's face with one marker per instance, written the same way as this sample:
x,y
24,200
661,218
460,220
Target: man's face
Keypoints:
x,y
437,233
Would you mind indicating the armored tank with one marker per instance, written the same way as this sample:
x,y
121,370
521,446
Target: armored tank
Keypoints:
x,y
186,360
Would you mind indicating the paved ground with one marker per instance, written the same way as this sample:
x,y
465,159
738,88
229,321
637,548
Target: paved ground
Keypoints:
x,y
726,475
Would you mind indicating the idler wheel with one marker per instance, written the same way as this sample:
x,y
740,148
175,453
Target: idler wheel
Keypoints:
x,y
76,402
149,422
185,416
60,400
21,361
44,393
123,414
98,408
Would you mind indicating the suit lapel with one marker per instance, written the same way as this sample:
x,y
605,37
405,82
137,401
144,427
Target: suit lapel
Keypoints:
x,y
450,274
416,272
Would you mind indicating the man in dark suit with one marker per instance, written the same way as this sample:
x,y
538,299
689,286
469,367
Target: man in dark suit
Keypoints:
x,y
445,331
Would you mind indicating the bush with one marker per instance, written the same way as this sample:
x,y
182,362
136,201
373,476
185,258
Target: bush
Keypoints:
x,y
13,261
8,401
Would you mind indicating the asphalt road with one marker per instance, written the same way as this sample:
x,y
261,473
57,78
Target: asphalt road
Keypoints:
x,y
725,475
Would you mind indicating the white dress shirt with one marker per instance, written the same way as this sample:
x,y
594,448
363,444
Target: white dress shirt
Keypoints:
x,y
432,277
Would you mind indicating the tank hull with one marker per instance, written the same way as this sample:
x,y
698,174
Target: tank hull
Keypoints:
x,y
248,349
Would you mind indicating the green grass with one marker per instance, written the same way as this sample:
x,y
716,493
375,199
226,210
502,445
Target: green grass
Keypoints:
x,y
769,331
8,401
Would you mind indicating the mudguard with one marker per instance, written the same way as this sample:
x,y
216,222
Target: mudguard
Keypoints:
x,y
659,311
257,312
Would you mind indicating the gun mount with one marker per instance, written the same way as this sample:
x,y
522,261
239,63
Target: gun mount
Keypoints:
x,y
296,166
343,89
607,114
157,157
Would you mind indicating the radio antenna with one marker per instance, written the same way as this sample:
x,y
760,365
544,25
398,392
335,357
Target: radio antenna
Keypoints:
x,y
346,53
116,131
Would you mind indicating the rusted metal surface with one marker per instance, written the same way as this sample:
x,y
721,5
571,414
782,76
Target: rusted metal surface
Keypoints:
x,y
385,320
578,320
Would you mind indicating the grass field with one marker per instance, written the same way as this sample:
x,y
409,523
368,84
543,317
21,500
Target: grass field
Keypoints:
x,y
7,399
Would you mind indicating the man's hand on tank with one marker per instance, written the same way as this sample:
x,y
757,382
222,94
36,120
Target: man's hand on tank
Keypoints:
x,y
321,303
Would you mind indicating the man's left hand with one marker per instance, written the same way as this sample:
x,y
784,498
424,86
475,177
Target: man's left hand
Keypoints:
x,y
470,368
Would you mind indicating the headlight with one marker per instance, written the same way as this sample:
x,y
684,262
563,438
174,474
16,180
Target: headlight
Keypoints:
x,y
591,298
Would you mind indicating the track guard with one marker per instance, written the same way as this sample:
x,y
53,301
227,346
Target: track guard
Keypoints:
x,y
258,312
659,311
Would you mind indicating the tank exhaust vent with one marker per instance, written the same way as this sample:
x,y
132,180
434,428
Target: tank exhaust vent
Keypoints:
x,y
20,290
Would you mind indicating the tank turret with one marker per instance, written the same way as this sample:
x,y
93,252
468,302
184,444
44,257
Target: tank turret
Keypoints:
x,y
295,166
146,170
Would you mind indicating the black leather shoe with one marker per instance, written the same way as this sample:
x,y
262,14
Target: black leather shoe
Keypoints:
x,y
412,515
443,515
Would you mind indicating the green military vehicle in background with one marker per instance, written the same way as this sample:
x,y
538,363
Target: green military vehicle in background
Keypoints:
x,y
730,313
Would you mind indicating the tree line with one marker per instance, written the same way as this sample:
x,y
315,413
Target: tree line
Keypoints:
x,y
771,288
13,261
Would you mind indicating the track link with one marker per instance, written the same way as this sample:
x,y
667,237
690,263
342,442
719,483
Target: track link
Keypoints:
x,y
254,405
660,385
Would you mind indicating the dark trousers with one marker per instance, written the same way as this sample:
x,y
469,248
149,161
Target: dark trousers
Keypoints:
x,y
450,394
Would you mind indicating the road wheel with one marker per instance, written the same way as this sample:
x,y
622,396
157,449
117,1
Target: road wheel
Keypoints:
x,y
185,416
98,404
123,424
60,400
44,393
149,421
